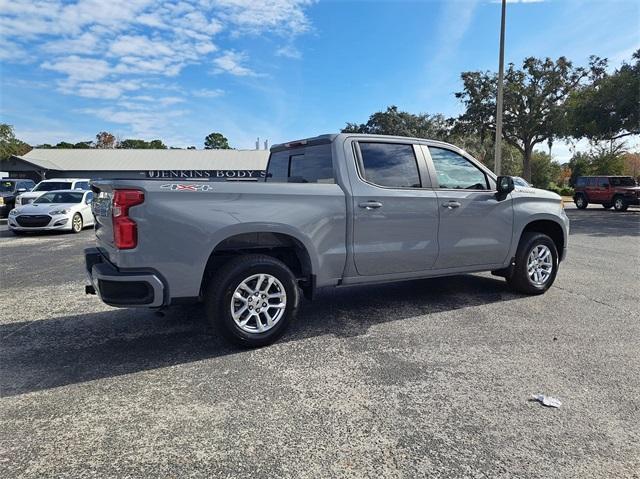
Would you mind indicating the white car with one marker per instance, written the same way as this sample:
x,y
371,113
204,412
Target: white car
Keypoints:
x,y
54,210
52,185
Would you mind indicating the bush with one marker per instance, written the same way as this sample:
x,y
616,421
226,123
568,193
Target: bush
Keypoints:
x,y
553,187
567,191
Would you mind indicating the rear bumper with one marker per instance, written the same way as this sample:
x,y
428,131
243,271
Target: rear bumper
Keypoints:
x,y
122,289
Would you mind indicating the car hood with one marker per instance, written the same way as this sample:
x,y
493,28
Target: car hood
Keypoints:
x,y
535,192
44,208
31,194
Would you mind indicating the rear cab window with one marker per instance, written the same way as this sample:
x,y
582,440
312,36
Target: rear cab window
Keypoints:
x,y
301,164
391,165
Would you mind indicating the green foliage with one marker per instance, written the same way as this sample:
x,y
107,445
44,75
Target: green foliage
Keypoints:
x,y
9,144
607,108
544,171
65,145
567,191
216,141
533,101
580,165
142,144
401,123
82,145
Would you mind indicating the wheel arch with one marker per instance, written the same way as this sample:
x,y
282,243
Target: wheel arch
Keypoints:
x,y
281,243
553,229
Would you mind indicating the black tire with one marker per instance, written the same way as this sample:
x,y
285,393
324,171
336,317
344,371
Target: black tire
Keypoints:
x,y
581,202
219,296
619,204
76,223
607,206
519,279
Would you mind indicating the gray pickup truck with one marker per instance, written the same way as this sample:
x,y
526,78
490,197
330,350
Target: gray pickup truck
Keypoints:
x,y
334,210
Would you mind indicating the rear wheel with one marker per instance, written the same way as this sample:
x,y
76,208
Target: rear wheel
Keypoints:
x,y
581,202
76,223
620,204
536,264
252,299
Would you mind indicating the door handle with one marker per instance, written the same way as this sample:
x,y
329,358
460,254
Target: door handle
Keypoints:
x,y
451,205
370,205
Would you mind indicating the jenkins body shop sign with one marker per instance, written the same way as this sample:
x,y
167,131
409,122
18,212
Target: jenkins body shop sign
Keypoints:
x,y
208,174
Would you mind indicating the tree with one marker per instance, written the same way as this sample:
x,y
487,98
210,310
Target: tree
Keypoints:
x,y
544,170
607,158
580,165
142,144
608,108
9,144
631,164
104,139
216,141
82,145
64,145
401,123
534,99
157,145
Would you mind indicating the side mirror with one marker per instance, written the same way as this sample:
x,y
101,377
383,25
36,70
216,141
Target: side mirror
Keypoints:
x,y
504,185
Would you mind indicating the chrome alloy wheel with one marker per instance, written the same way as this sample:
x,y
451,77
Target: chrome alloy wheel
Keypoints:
x,y
77,223
258,303
540,264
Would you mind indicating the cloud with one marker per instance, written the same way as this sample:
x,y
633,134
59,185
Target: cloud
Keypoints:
x,y
208,93
124,50
289,51
231,62
79,68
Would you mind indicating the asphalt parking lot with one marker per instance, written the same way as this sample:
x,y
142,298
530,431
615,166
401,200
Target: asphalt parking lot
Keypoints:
x,y
415,379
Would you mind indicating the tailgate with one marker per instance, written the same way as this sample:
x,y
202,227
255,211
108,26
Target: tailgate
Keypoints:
x,y
101,207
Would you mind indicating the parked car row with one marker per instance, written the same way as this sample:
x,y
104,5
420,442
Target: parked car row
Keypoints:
x,y
618,192
57,204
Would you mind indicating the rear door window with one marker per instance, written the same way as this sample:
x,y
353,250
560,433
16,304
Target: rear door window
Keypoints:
x,y
389,164
603,182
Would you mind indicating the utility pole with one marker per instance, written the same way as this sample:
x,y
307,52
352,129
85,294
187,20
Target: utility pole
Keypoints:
x,y
498,151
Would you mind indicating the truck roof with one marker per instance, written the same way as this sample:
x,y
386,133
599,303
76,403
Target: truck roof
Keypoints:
x,y
330,137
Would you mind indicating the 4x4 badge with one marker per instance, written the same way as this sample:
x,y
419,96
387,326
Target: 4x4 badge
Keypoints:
x,y
181,187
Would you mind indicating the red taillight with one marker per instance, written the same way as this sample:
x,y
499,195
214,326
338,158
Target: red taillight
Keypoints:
x,y
125,230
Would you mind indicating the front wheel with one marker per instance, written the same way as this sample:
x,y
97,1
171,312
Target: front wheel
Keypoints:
x,y
536,264
252,299
619,204
76,223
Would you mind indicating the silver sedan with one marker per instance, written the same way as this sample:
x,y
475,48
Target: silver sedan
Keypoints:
x,y
68,210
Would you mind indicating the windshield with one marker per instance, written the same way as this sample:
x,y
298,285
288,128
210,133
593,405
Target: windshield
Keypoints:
x,y
520,182
625,181
6,186
53,185
61,197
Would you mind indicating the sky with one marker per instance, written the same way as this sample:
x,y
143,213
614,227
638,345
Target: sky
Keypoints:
x,y
274,69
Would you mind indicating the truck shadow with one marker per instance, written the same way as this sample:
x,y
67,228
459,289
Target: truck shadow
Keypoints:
x,y
602,223
49,353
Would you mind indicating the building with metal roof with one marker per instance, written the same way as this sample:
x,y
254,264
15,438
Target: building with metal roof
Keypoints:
x,y
92,163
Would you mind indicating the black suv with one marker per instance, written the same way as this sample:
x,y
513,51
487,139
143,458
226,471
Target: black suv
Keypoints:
x,y
9,189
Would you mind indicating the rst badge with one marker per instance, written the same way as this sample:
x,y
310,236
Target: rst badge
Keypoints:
x,y
181,187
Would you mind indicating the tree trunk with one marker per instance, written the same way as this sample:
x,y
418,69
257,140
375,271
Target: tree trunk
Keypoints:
x,y
526,163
